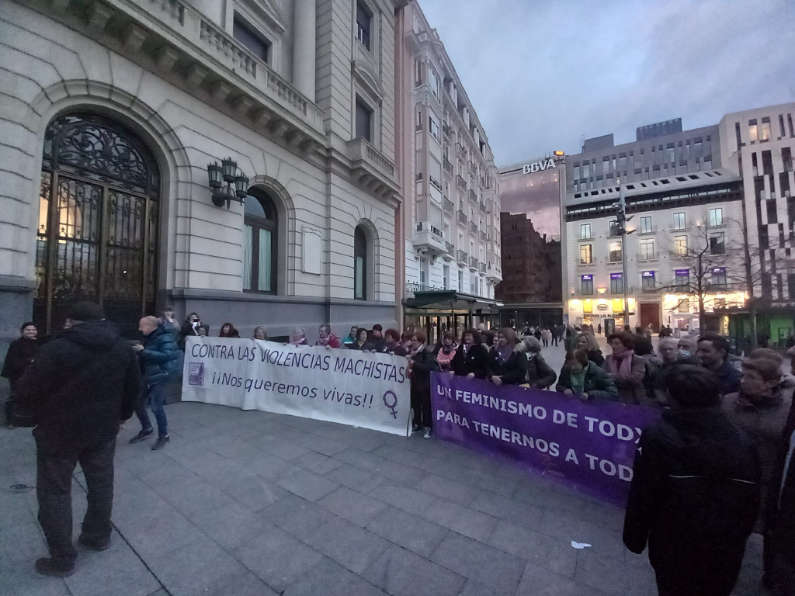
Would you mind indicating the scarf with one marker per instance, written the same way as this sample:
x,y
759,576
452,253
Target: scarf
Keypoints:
x,y
621,367
577,381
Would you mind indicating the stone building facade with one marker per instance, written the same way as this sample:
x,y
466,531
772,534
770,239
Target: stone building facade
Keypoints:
x,y
112,111
448,176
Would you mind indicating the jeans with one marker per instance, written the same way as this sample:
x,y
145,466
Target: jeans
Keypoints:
x,y
156,398
54,493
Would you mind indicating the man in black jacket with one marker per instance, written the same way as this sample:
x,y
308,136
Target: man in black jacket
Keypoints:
x,y
81,385
780,540
695,492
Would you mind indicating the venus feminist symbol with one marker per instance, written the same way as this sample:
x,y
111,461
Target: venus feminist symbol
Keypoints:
x,y
391,403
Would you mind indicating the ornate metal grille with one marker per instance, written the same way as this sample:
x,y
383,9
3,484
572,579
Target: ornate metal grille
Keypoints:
x,y
98,214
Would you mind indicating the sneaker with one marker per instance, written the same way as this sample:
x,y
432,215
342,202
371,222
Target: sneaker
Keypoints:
x,y
427,434
53,568
160,443
141,436
94,544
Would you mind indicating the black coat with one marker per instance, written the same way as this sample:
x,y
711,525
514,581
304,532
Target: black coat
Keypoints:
x,y
694,498
512,370
80,387
422,363
475,361
781,503
160,356
21,353
539,374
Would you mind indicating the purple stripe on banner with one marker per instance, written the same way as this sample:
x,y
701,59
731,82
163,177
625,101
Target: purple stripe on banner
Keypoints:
x,y
587,445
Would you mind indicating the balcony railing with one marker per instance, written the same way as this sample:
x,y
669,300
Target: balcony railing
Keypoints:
x,y
646,231
483,267
429,237
473,196
473,263
462,217
450,248
460,181
462,257
484,236
449,206
435,183
447,165
425,226
473,227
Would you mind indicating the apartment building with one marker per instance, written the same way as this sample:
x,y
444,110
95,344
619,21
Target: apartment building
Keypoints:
x,y
451,215
234,158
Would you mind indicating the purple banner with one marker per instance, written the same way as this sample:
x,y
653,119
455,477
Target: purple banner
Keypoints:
x,y
587,445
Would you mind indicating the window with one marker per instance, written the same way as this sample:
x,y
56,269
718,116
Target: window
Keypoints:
x,y
359,264
613,228
715,217
614,251
423,271
586,254
772,214
433,81
616,283
716,244
446,277
752,130
460,280
679,221
433,127
646,248
680,245
586,285
645,224
764,130
260,226
647,280
418,123
719,276
251,39
418,67
585,231
364,21
364,120
682,278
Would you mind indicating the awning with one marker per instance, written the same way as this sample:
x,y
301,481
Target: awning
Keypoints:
x,y
446,301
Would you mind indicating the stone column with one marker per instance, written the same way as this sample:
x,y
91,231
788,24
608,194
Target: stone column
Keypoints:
x,y
304,49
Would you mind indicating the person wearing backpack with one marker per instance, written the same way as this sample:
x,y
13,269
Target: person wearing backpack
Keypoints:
x,y
695,490
160,356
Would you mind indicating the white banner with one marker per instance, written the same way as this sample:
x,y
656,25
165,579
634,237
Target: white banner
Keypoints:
x,y
345,386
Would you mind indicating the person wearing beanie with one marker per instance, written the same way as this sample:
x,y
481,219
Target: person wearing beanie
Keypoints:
x,y
81,386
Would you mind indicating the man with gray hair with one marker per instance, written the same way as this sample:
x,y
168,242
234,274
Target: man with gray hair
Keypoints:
x,y
159,355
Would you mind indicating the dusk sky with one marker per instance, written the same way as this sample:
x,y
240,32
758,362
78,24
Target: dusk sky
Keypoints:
x,y
545,75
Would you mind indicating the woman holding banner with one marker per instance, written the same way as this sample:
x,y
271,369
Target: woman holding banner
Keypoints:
x,y
421,363
471,358
579,376
507,365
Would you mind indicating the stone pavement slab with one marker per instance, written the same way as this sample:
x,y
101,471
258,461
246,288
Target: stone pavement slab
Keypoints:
x,y
252,503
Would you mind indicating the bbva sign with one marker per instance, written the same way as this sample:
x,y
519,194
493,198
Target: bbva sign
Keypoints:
x,y
538,166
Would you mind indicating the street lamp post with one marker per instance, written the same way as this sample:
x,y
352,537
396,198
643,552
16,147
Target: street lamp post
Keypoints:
x,y
621,218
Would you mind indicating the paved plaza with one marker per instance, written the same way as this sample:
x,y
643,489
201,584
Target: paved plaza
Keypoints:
x,y
253,503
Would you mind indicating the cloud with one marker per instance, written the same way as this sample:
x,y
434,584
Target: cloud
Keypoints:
x,y
544,76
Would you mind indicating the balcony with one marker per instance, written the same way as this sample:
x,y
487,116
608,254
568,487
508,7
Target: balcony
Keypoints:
x,y
447,165
473,263
473,227
461,257
372,168
435,183
462,217
647,232
449,206
462,184
473,196
484,236
483,206
483,267
450,248
429,238
185,45
493,272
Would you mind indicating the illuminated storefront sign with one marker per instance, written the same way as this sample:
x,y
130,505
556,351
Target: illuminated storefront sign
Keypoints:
x,y
538,166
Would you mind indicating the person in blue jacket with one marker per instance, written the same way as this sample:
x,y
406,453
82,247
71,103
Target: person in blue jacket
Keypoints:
x,y
159,355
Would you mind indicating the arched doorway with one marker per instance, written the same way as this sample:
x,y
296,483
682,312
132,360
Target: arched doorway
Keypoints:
x,y
98,221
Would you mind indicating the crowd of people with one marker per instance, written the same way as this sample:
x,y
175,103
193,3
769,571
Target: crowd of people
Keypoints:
x,y
718,462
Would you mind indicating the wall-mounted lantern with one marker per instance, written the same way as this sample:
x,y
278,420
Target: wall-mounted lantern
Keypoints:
x,y
236,182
